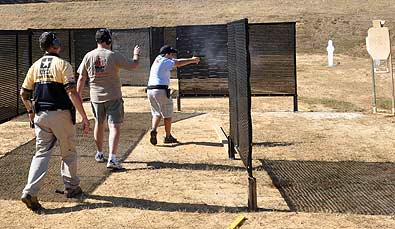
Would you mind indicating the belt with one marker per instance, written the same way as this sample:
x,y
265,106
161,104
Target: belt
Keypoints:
x,y
157,87
51,109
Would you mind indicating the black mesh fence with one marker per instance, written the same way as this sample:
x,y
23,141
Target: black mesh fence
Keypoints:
x,y
210,76
83,41
8,75
232,79
273,54
273,60
170,38
124,42
239,91
14,62
272,47
21,1
23,64
157,40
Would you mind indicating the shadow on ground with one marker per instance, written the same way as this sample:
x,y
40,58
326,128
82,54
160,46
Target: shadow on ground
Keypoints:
x,y
186,166
14,166
112,201
272,144
213,144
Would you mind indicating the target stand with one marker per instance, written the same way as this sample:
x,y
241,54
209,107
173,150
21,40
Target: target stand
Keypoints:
x,y
378,45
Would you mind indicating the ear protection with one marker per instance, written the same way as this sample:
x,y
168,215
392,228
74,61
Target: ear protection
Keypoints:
x,y
104,35
55,42
48,39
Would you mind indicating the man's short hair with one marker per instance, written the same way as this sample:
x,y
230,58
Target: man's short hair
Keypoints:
x,y
103,35
48,39
167,49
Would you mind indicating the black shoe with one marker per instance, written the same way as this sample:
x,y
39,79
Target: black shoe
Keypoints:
x,y
31,202
153,139
72,193
170,139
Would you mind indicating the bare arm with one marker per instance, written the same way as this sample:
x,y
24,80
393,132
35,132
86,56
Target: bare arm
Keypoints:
x,y
81,84
136,54
186,61
130,65
77,102
25,94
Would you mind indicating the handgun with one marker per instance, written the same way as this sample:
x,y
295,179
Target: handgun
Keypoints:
x,y
195,54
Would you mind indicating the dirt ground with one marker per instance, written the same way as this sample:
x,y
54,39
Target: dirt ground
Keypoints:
x,y
194,185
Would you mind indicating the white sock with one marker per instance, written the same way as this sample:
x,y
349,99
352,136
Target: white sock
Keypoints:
x,y
112,157
98,152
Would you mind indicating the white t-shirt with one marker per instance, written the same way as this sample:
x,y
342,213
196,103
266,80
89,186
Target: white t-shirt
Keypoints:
x,y
160,71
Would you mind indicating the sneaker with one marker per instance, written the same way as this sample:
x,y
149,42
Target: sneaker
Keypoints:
x,y
72,193
31,202
153,139
170,139
113,164
99,157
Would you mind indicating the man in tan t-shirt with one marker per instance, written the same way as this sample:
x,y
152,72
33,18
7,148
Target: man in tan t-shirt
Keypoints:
x,y
102,66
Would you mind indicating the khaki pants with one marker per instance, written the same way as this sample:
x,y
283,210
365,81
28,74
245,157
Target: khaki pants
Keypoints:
x,y
50,127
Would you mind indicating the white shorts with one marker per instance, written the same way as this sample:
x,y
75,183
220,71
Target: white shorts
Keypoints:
x,y
160,104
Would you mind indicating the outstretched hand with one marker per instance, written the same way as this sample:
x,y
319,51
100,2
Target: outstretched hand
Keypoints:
x,y
196,59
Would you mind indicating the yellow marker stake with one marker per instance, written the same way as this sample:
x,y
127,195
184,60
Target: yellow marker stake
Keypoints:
x,y
237,222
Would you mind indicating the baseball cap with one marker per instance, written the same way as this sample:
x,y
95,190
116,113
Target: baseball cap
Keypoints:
x,y
103,35
167,49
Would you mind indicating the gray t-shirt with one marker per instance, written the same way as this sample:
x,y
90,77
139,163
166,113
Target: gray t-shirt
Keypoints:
x,y
102,67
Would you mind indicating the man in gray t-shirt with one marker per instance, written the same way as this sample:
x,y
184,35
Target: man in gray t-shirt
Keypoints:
x,y
102,66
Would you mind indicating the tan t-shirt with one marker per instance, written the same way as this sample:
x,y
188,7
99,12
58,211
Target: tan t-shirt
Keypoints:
x,y
102,67
49,78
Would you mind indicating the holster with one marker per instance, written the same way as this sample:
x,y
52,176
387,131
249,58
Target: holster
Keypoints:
x,y
34,106
168,93
73,114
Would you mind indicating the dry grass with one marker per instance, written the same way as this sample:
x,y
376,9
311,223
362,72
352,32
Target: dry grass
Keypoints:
x,y
345,22
162,182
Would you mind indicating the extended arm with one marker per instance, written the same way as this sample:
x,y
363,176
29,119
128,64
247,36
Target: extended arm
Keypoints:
x,y
186,61
25,94
136,54
81,84
130,65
